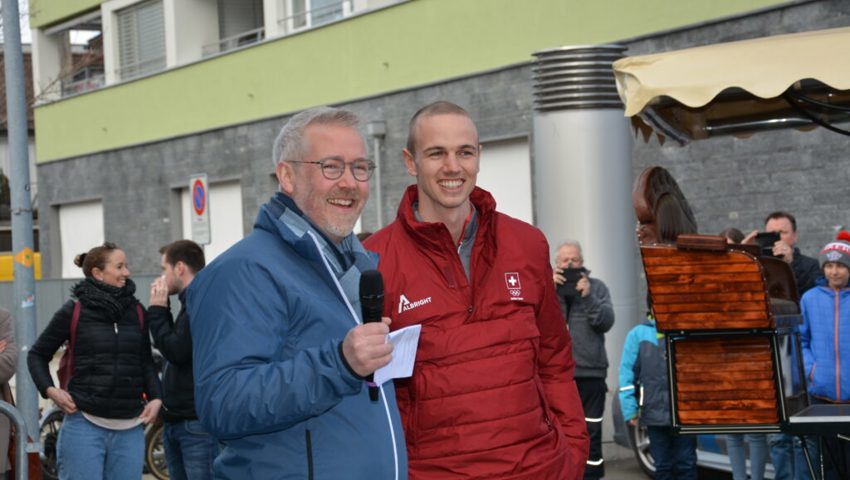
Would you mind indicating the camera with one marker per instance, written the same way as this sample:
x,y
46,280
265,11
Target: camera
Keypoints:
x,y
766,240
572,276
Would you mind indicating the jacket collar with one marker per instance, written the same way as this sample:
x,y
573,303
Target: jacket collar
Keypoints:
x,y
435,236
282,216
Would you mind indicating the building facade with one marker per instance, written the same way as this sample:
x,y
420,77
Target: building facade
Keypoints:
x,y
203,86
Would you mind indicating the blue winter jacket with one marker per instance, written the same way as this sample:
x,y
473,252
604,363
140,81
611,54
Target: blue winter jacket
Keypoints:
x,y
825,338
643,377
267,318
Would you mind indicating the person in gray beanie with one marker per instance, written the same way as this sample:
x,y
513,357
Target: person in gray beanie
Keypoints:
x,y
825,340
837,251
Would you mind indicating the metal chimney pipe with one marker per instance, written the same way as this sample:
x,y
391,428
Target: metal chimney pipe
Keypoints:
x,y
583,175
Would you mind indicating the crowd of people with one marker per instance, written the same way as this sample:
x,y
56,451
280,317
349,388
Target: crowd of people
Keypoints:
x,y
825,306
269,361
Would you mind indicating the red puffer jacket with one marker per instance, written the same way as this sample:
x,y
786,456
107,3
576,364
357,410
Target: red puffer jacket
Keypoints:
x,y
492,393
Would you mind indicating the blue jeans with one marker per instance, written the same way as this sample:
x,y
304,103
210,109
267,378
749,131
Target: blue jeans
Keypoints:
x,y
675,455
85,450
189,451
737,457
787,456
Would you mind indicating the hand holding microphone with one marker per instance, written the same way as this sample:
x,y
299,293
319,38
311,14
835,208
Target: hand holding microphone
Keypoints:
x,y
365,346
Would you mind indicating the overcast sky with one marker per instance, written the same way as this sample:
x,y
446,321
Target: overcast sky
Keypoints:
x,y
26,37
25,22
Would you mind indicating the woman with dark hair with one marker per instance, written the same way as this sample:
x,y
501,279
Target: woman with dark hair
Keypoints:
x,y
113,387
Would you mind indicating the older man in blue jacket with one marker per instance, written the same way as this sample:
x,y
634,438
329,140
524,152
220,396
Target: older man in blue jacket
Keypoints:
x,y
280,350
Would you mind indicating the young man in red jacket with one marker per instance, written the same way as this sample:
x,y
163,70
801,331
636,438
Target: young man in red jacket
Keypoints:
x,y
492,393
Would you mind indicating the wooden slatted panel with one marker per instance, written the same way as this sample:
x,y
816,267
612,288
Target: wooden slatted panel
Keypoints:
x,y
725,381
700,290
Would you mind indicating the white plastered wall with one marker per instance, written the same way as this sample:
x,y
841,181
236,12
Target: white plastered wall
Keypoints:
x,y
506,173
189,25
47,52
80,229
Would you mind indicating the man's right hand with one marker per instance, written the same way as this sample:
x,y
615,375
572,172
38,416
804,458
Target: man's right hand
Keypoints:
x,y
366,348
159,293
62,399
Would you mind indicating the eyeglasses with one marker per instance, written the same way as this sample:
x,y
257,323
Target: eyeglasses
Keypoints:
x,y
333,168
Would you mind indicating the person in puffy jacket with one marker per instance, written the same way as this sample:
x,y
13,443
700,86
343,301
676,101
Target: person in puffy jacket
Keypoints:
x,y
492,393
825,339
645,401
114,387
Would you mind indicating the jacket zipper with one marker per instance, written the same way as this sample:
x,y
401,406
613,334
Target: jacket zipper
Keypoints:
x,y
309,454
115,356
386,405
837,353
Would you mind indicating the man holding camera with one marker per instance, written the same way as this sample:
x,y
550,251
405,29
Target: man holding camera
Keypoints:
x,y
589,313
806,269
785,451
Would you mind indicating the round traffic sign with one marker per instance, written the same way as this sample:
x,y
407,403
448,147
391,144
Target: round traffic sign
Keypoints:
x,y
199,197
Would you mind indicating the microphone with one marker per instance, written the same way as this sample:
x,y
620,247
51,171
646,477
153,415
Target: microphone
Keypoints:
x,y
371,305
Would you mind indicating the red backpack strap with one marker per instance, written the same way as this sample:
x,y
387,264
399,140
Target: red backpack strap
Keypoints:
x,y
141,314
75,320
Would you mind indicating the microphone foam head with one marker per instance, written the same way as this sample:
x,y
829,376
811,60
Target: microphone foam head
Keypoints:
x,y
371,284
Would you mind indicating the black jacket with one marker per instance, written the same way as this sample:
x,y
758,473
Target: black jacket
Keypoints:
x,y
174,341
806,271
113,366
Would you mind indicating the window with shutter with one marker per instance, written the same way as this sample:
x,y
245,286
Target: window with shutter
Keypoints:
x,y
141,40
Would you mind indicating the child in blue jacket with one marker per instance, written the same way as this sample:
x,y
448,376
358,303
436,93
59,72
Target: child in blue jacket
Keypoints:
x,y
645,397
825,338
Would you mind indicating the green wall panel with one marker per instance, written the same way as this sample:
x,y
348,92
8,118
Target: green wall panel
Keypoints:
x,y
411,44
45,12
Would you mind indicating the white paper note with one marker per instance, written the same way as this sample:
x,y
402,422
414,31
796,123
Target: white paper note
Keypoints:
x,y
404,343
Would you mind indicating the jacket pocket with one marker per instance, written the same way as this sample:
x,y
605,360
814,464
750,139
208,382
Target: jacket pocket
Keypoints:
x,y
309,445
544,405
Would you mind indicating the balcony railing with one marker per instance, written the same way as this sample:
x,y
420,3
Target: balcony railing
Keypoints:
x,y
86,79
317,16
234,41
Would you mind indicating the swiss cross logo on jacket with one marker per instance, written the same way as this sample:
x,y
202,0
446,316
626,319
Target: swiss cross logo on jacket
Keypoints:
x,y
514,285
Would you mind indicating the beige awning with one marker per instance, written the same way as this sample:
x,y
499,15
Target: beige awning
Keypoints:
x,y
750,76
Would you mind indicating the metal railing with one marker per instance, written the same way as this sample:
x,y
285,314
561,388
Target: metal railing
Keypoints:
x,y
317,16
88,78
234,41
21,466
